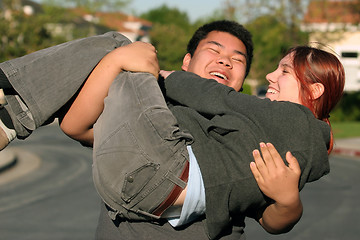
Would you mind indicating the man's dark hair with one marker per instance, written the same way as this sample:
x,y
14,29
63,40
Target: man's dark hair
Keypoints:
x,y
230,27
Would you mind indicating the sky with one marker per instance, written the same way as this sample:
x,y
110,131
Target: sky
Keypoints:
x,y
194,8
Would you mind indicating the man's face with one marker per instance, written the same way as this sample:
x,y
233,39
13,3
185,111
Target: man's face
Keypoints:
x,y
220,56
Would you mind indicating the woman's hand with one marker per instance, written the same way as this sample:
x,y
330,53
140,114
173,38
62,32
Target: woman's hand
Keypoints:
x,y
165,74
280,183
276,180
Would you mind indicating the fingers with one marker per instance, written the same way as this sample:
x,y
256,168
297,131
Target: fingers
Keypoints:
x,y
149,58
165,74
254,166
259,167
270,159
293,163
275,156
267,150
154,61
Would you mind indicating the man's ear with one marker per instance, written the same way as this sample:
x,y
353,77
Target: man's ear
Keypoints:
x,y
186,62
317,90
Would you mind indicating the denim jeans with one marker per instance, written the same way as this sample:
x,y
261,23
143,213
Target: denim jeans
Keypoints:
x,y
46,80
139,150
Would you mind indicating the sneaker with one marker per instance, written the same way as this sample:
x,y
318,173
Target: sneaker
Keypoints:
x,y
6,135
4,141
2,98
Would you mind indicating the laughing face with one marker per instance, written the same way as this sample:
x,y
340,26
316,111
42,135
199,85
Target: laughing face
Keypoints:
x,y
220,56
283,84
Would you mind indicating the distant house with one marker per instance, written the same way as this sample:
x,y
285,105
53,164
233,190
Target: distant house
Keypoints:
x,y
26,6
134,28
337,24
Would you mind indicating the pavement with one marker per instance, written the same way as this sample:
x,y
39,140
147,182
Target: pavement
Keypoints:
x,y
8,159
348,147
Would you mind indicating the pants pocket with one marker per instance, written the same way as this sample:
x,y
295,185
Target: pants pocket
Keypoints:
x,y
124,169
136,180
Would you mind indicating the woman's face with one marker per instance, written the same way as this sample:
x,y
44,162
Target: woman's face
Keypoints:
x,y
283,84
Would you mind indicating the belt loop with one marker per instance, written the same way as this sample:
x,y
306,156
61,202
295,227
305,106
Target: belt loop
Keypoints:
x,y
176,180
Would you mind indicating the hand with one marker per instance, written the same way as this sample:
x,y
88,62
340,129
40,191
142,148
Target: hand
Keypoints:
x,y
165,74
276,180
136,57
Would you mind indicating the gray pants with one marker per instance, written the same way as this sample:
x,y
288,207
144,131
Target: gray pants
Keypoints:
x,y
46,80
139,150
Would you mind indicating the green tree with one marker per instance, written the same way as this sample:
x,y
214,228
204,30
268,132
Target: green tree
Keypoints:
x,y
21,33
271,40
170,41
168,16
347,109
275,26
91,5
170,33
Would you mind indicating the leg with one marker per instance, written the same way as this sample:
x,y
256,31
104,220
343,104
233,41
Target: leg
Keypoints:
x,y
46,80
7,130
139,151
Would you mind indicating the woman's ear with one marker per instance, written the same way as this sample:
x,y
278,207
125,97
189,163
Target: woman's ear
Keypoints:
x,y
186,62
317,90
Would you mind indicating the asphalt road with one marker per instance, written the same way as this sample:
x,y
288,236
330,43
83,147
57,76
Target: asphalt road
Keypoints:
x,y
53,196
57,199
331,206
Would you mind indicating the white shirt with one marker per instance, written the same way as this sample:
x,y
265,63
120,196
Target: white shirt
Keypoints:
x,y
194,203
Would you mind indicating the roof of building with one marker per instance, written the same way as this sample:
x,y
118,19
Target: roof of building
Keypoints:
x,y
333,12
114,20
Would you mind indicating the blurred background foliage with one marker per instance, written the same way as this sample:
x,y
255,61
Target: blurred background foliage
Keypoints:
x,y
275,26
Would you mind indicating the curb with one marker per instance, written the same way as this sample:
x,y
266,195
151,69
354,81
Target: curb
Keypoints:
x,y
7,159
348,152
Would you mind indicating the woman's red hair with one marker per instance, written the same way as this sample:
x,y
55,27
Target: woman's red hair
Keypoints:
x,y
312,65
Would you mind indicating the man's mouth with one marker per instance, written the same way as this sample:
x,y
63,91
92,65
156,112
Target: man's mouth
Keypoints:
x,y
219,75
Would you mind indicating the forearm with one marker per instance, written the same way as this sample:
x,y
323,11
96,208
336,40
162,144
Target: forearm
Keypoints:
x,y
89,104
280,183
198,93
207,95
279,218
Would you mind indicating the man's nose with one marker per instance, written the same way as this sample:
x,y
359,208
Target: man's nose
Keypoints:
x,y
225,61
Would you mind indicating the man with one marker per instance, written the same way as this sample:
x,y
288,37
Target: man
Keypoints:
x,y
228,61
219,50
